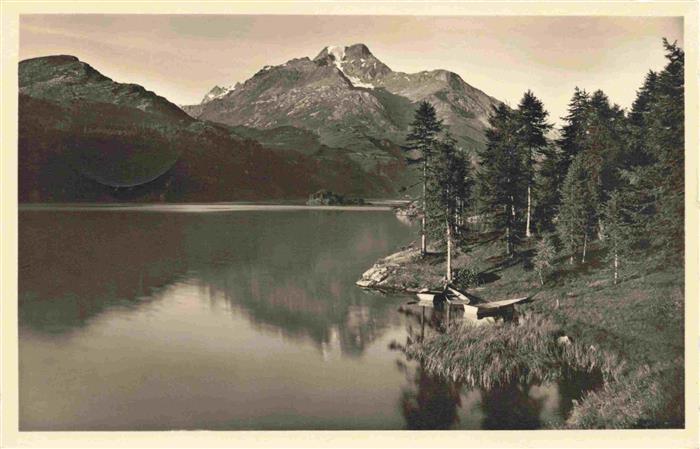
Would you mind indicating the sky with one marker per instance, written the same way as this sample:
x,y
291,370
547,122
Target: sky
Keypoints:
x,y
181,57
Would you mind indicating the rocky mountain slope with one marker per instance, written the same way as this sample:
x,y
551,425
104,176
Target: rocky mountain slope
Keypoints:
x,y
349,99
84,137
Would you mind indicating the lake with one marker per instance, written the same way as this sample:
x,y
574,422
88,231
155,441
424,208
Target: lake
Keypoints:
x,y
230,317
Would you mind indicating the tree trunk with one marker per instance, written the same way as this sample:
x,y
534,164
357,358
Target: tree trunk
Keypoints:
x,y
541,280
508,240
585,240
510,225
508,245
423,243
571,259
448,236
617,264
529,200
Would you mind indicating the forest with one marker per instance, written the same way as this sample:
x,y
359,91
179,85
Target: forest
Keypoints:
x,y
610,176
589,220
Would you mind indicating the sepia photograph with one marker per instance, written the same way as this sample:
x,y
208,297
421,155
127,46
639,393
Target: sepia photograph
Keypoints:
x,y
240,221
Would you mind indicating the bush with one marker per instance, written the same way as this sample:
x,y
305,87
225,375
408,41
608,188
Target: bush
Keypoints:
x,y
468,277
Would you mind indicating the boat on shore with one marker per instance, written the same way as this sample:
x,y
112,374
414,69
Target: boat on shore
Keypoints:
x,y
475,308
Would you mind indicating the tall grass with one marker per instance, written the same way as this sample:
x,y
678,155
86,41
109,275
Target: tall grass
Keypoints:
x,y
643,398
488,356
630,335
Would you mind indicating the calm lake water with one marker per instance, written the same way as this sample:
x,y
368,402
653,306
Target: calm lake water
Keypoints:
x,y
230,318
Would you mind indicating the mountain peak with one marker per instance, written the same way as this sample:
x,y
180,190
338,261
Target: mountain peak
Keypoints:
x,y
64,67
340,53
356,62
358,51
217,92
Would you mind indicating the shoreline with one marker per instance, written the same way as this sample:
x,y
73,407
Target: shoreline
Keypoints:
x,y
191,207
580,321
396,273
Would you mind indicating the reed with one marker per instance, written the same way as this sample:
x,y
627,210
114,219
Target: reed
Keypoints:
x,y
487,356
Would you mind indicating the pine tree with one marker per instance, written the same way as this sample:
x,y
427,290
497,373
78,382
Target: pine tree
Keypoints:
x,y
574,130
548,182
545,252
619,230
558,158
639,120
655,183
501,174
532,128
422,137
448,192
603,152
666,145
575,219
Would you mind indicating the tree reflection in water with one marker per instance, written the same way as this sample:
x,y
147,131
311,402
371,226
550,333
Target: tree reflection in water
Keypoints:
x,y
430,401
433,404
509,407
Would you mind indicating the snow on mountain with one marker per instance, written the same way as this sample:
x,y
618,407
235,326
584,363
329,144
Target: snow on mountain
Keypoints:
x,y
338,54
350,99
217,92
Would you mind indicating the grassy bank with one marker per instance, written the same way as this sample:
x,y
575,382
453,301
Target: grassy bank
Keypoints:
x,y
631,333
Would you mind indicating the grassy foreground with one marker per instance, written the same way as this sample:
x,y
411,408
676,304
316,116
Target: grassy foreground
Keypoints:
x,y
631,334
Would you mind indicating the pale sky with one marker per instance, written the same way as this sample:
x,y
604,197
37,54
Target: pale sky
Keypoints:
x,y
182,56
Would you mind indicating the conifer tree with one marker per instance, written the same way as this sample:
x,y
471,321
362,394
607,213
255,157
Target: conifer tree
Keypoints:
x,y
574,130
448,192
575,215
548,182
619,228
666,145
532,128
500,176
421,138
639,119
558,157
545,252
655,184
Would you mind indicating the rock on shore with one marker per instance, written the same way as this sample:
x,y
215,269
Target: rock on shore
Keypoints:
x,y
398,272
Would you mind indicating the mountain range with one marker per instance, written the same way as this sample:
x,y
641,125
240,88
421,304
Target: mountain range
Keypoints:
x,y
335,122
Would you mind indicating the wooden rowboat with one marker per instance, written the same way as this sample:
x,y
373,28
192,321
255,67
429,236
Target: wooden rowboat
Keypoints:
x,y
452,295
474,307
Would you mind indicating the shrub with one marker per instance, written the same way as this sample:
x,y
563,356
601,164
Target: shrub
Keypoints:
x,y
467,277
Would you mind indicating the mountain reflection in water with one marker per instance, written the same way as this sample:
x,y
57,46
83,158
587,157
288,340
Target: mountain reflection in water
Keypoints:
x,y
239,319
286,275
